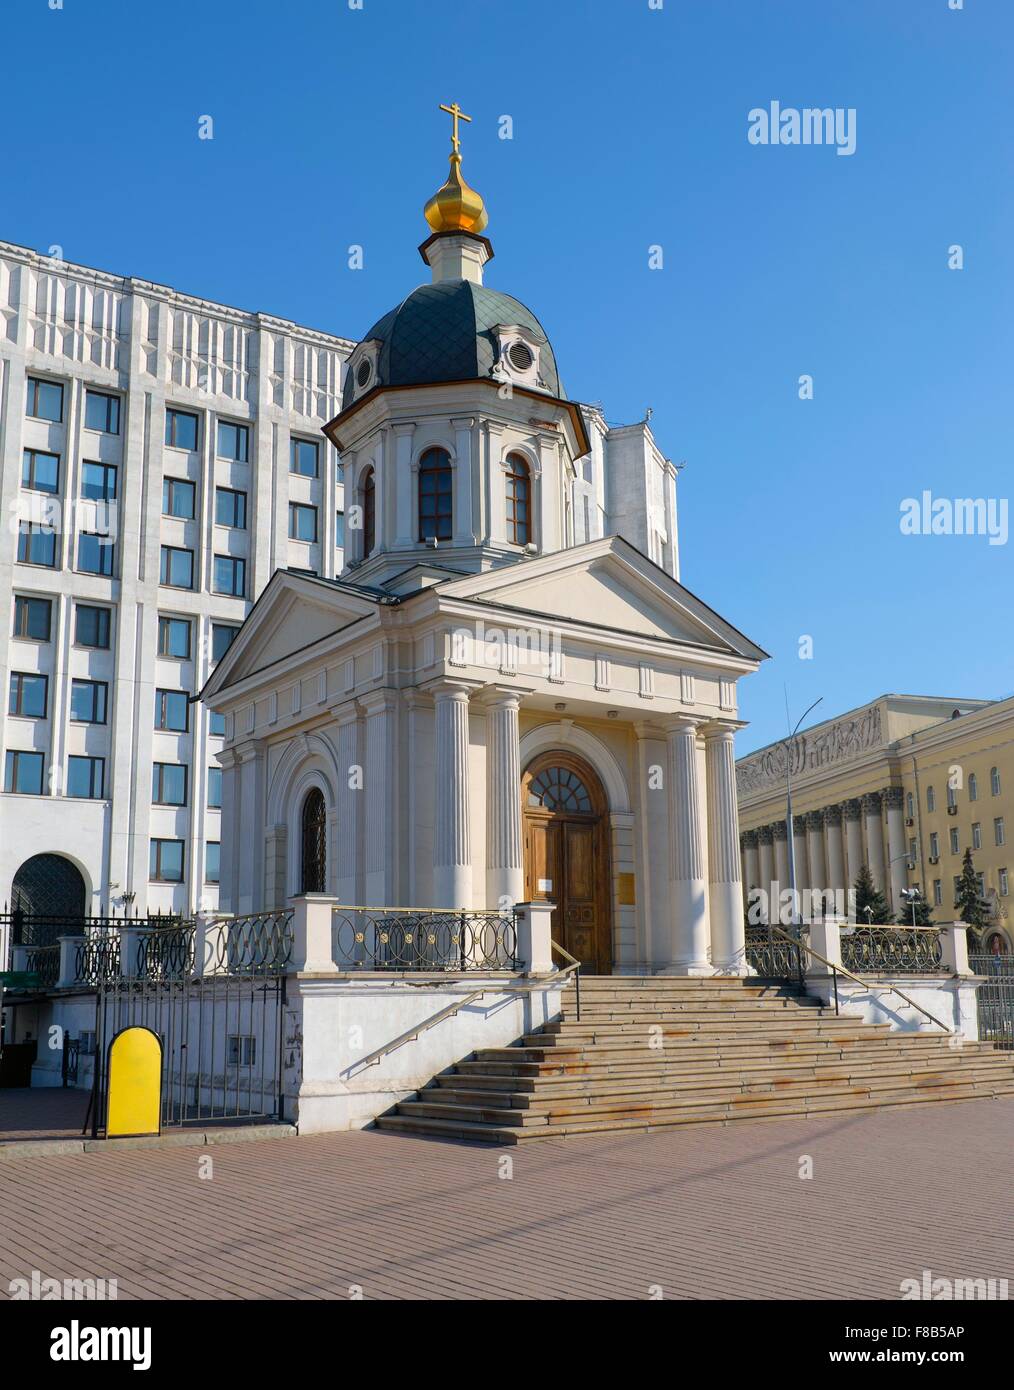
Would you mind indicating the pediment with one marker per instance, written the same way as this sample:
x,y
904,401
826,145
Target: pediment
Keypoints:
x,y
606,584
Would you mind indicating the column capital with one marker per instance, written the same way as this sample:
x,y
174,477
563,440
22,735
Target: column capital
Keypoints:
x,y
853,808
451,688
345,712
766,834
748,839
503,696
871,804
892,796
780,830
375,701
719,728
832,814
682,723
799,825
815,820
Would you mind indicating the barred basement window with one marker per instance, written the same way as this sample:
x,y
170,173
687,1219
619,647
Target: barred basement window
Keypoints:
x,y
242,1050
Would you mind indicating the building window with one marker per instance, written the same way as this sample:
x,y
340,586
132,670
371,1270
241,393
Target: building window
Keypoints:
x,y
179,498
23,772
177,570
98,482
952,796
519,497
909,805
931,799
33,618
999,831
994,780
935,845
302,522
938,892
40,472
174,638
339,530
222,638
181,430
166,861
88,701
339,473
980,880
172,709
212,861
314,856
36,544
91,626
230,508
216,725
230,575
169,784
215,788
242,1050
976,835
954,842
233,442
94,554
435,500
973,787
912,852
102,412
369,513
45,400
86,777
303,458
29,695
1002,879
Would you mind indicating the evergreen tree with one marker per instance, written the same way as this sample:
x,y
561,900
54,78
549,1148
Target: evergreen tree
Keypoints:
x,y
871,905
972,907
917,913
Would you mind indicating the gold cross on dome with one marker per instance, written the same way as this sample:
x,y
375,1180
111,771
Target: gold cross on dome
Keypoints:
x,y
456,114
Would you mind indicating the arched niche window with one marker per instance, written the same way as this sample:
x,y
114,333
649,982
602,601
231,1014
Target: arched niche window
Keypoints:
x,y
519,500
369,513
313,876
435,496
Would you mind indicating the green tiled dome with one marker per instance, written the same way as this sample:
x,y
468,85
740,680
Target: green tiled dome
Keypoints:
x,y
444,332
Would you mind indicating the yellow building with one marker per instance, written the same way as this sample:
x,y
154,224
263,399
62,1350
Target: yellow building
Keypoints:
x,y
904,784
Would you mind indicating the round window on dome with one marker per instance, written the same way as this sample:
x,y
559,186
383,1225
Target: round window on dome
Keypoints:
x,y
520,356
363,372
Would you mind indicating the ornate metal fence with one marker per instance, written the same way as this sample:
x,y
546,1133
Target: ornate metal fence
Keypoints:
x,y
409,939
775,957
891,950
260,944
995,997
44,961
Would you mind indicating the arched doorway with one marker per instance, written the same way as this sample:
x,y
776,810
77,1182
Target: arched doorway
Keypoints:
x,y
313,863
48,885
566,842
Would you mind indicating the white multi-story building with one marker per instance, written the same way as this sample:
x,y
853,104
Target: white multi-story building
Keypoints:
x,y
160,457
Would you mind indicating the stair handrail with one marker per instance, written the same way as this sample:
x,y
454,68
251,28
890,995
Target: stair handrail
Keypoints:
x,y
837,970
574,969
449,1010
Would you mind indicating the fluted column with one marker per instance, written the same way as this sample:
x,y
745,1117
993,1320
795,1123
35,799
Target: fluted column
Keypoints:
x,y
348,829
452,852
800,854
835,849
893,798
380,788
505,880
815,850
765,850
781,841
853,810
874,838
725,887
751,862
687,876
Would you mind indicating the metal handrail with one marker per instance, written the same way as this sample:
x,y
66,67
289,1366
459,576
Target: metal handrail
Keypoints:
x,y
840,970
574,968
449,1010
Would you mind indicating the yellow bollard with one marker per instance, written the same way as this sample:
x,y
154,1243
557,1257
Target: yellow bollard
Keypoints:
x,y
135,1083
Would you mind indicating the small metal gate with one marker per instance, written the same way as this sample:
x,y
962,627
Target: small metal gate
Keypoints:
x,y
995,997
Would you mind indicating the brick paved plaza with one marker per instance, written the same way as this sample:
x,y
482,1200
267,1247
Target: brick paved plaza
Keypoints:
x,y
702,1213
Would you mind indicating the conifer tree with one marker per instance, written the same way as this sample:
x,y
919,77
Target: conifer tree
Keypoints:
x,y
871,905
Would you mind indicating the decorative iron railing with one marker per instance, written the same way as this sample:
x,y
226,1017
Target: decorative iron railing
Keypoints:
x,y
165,953
44,961
995,997
775,956
891,950
97,956
258,944
408,939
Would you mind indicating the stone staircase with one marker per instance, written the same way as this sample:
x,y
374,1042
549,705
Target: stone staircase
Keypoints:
x,y
662,1051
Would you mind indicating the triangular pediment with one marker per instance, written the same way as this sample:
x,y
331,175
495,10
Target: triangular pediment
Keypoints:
x,y
606,584
293,615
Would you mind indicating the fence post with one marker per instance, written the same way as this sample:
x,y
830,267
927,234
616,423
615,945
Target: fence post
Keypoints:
x,y
68,961
311,932
19,957
954,949
130,951
535,951
210,944
825,937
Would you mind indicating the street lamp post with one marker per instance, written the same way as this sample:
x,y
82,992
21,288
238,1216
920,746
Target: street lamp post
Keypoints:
x,y
788,813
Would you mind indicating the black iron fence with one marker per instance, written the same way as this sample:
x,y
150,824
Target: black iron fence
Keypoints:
x,y
891,950
995,997
776,956
409,939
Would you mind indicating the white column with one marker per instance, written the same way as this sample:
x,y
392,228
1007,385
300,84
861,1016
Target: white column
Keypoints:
x,y
504,864
815,850
874,838
801,855
835,849
751,861
405,484
766,858
687,881
781,840
348,831
725,887
452,852
652,820
379,775
853,839
463,529
893,798
250,827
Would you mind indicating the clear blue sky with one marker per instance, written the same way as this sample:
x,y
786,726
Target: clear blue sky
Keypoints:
x,y
630,129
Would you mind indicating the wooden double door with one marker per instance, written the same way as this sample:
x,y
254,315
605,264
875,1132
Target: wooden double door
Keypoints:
x,y
566,842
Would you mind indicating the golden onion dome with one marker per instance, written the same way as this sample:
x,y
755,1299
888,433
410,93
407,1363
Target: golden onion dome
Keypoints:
x,y
455,207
